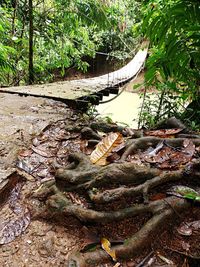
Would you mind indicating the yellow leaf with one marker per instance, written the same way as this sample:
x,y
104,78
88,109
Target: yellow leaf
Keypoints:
x,y
105,243
105,148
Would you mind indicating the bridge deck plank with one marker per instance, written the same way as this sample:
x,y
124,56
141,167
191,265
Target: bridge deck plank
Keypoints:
x,y
76,89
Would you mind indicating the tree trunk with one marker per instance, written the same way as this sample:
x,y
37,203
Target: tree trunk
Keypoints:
x,y
14,16
31,74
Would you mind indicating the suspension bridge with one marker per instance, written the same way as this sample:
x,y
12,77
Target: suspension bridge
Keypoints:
x,y
78,93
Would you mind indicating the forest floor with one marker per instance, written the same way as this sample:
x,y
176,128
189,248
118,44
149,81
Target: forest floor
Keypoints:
x,y
23,118
37,137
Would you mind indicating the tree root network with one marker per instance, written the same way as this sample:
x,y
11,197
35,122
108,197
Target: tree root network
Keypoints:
x,y
121,180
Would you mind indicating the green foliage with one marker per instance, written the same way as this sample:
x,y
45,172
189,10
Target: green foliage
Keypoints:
x,y
66,33
161,105
6,51
173,28
192,196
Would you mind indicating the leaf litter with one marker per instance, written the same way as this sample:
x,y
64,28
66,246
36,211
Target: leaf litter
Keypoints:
x,y
40,165
164,133
165,156
13,228
16,223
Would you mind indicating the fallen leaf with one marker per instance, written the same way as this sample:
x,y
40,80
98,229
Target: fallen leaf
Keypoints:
x,y
105,243
25,153
184,229
157,196
188,228
166,260
167,157
42,153
156,150
24,165
164,133
105,148
184,192
13,228
163,154
189,148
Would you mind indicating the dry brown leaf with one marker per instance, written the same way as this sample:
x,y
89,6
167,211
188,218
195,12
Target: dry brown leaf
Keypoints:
x,y
184,230
42,153
189,148
169,157
179,158
25,153
105,243
157,196
162,155
164,133
187,229
14,228
105,148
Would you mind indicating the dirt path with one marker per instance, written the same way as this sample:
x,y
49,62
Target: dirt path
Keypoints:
x,y
42,244
21,118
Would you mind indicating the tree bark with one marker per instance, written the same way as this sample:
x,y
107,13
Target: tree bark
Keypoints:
x,y
14,16
31,74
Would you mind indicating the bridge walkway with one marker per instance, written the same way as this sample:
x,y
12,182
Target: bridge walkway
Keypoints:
x,y
77,93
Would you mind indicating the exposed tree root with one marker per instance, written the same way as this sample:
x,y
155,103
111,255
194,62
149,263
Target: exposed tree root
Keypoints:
x,y
88,133
86,175
122,179
113,194
105,127
135,244
172,122
145,142
61,203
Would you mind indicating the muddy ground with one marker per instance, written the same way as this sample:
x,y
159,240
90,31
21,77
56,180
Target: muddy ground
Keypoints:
x,y
43,243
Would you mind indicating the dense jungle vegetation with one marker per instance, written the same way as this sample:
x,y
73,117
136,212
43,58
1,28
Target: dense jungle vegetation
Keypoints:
x,y
40,40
